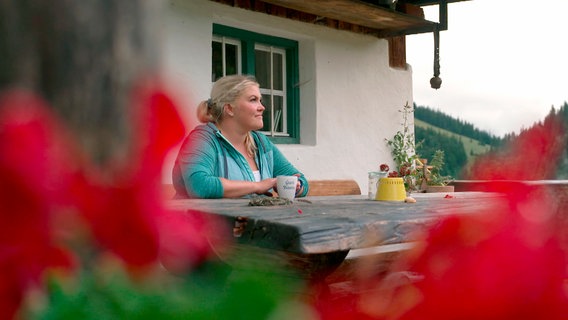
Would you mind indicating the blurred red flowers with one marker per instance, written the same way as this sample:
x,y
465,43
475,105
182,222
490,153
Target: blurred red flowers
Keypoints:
x,y
507,263
35,167
533,155
49,192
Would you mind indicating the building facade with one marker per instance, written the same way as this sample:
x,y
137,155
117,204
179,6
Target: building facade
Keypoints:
x,y
333,98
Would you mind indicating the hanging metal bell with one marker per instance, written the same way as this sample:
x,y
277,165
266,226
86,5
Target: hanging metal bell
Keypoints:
x,y
436,82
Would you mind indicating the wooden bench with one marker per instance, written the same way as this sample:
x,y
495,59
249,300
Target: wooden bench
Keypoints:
x,y
317,188
333,187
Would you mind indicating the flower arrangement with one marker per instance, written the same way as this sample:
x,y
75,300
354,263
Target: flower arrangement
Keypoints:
x,y
415,173
403,150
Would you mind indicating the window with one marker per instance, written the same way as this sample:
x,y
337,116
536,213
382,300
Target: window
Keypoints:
x,y
274,63
226,58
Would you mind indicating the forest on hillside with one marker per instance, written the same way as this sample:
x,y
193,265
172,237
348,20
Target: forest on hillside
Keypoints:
x,y
536,153
429,140
439,119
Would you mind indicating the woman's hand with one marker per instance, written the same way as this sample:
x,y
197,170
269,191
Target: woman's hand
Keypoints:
x,y
299,186
265,185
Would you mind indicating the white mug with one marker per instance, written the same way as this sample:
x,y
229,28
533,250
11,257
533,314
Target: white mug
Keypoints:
x,y
286,186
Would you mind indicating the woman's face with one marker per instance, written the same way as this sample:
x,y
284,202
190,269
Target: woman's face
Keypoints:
x,y
248,109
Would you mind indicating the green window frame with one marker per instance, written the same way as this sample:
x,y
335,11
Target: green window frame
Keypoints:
x,y
274,62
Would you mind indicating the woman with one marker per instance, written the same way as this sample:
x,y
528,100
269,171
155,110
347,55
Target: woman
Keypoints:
x,y
225,157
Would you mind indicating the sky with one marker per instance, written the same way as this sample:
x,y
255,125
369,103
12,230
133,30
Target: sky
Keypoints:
x,y
503,63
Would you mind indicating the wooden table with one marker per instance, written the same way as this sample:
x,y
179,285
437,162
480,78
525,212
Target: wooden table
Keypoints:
x,y
324,229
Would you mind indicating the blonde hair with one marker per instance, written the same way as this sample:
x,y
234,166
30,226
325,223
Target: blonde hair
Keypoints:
x,y
226,90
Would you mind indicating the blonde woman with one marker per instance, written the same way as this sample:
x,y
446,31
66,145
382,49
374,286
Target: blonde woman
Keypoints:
x,y
225,157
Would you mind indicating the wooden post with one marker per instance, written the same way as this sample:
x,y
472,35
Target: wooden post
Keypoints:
x,y
82,57
397,52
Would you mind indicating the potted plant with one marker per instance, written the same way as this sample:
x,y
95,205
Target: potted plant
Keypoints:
x,y
390,186
431,176
403,152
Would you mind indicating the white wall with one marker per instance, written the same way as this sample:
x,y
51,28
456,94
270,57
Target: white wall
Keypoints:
x,y
349,96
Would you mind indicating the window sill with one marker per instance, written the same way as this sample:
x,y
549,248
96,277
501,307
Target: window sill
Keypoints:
x,y
284,140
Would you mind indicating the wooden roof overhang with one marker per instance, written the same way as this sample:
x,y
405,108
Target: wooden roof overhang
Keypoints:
x,y
372,17
359,16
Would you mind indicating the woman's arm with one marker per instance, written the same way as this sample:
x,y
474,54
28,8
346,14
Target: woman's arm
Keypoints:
x,y
237,189
197,159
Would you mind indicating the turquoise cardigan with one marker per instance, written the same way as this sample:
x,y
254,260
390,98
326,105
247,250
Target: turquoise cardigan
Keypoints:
x,y
206,155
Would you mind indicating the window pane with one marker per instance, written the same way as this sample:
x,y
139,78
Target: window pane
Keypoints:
x,y
278,114
217,60
273,115
224,62
266,116
277,71
270,73
262,68
231,59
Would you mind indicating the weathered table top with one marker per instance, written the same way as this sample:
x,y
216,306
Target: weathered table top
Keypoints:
x,y
325,224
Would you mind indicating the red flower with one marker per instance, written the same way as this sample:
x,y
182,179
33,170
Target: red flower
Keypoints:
x,y
45,182
35,167
122,219
404,170
124,215
533,155
393,174
187,239
499,264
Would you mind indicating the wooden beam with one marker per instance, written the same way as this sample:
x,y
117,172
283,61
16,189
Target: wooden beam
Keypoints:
x,y
358,12
431,2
